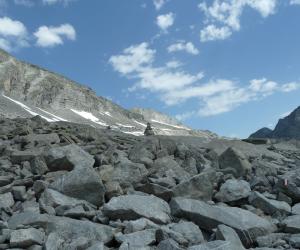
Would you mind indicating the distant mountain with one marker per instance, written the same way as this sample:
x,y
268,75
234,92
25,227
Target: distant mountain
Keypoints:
x,y
27,90
288,128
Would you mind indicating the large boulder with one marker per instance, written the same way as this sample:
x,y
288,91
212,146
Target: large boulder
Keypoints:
x,y
65,227
233,190
131,207
26,237
269,206
289,184
248,225
199,187
292,224
81,183
235,162
228,234
67,158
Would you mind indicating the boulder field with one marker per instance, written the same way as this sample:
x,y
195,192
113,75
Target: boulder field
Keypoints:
x,y
75,187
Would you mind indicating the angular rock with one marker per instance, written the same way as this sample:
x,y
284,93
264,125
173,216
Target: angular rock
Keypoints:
x,y
54,199
6,200
190,231
199,187
81,183
65,227
168,244
296,209
233,190
269,206
214,245
138,239
38,165
289,184
67,158
228,234
233,161
246,224
131,207
157,190
139,225
292,224
53,242
26,237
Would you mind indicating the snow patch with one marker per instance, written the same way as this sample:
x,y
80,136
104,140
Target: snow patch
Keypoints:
x,y
142,124
57,118
89,116
171,125
136,133
26,108
125,126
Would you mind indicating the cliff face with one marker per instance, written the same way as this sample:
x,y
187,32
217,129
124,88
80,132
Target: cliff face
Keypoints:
x,y
28,90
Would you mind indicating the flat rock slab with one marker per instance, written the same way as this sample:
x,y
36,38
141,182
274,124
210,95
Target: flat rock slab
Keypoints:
x,y
131,207
65,227
26,237
246,224
292,224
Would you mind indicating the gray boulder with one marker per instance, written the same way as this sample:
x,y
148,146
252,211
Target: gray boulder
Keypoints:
x,y
269,206
228,234
233,190
214,245
6,200
289,184
67,158
138,239
199,187
235,162
292,224
65,227
26,237
81,183
131,207
296,209
246,224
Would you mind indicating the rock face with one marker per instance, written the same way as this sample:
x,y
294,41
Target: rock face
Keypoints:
x,y
27,90
90,188
288,128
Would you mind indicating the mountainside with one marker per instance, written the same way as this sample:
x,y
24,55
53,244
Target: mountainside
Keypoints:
x,y
287,128
27,90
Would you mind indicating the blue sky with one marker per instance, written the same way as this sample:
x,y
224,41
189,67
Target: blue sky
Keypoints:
x,y
230,66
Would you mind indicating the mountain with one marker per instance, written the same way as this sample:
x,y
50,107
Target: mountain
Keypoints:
x,y
27,90
287,128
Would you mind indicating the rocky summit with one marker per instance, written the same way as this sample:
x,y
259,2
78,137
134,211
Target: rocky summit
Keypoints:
x,y
73,186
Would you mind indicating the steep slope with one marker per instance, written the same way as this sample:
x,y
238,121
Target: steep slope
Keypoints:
x,y
27,90
288,128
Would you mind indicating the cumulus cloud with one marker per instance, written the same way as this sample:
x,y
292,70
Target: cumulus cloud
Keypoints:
x,y
51,2
188,47
13,34
295,2
158,4
212,33
227,14
53,36
165,21
174,85
26,3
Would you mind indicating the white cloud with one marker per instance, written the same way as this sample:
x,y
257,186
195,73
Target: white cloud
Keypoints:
x,y
183,46
165,21
53,36
158,4
174,85
227,14
26,3
295,2
51,2
212,33
13,34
